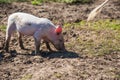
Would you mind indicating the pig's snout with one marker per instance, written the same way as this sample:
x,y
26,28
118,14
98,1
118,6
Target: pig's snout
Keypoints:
x,y
61,48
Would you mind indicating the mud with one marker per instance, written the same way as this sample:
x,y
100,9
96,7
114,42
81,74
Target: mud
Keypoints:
x,y
20,64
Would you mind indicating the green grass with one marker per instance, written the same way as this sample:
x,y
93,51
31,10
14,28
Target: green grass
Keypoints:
x,y
37,2
5,1
10,1
94,39
101,24
3,28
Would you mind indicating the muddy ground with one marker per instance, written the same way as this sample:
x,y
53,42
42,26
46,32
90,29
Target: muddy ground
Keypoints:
x,y
72,65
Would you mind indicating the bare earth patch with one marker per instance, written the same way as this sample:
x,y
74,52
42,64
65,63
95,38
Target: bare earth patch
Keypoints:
x,y
76,64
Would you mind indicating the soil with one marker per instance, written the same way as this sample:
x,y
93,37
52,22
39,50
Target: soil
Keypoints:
x,y
20,64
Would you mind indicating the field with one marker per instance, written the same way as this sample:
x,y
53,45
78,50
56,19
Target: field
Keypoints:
x,y
93,48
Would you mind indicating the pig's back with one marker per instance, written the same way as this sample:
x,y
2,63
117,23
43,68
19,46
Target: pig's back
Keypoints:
x,y
31,19
27,24
25,17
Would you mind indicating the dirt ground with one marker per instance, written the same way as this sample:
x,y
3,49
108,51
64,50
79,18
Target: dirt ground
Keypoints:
x,y
72,65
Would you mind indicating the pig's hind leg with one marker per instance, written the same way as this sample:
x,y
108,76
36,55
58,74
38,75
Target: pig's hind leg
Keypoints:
x,y
11,27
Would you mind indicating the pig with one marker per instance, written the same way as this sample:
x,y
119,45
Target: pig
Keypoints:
x,y
39,28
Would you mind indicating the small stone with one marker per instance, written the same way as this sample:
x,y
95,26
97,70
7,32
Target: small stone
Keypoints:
x,y
74,35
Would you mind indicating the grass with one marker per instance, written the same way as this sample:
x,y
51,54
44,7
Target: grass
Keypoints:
x,y
27,77
3,28
117,76
37,2
94,39
10,1
101,24
5,1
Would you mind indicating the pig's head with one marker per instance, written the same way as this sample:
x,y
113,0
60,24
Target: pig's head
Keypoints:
x,y
57,38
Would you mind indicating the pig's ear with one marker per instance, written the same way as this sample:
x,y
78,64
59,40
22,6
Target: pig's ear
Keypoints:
x,y
58,29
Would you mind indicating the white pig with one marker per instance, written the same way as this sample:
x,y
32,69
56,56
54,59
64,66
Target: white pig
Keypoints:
x,y
39,28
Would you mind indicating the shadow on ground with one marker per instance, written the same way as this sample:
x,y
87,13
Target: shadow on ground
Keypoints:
x,y
55,54
47,54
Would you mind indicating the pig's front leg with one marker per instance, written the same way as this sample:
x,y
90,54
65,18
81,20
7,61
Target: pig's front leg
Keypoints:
x,y
37,46
48,46
37,39
20,41
8,37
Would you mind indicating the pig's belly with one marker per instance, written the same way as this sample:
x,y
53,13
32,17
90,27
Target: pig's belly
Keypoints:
x,y
27,30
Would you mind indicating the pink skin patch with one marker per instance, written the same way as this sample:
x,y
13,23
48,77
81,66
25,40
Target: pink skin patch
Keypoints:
x,y
58,29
